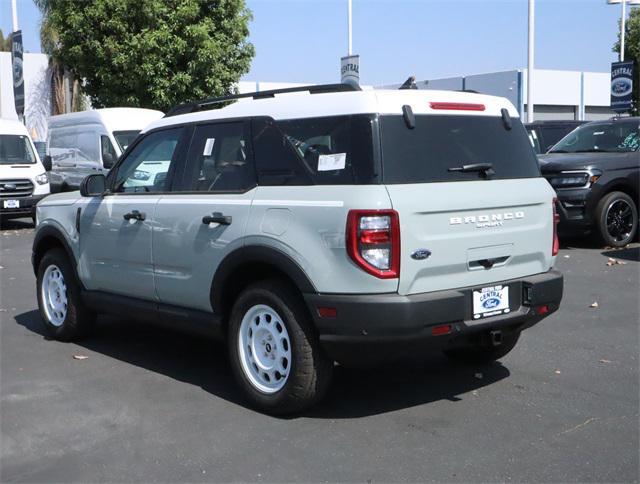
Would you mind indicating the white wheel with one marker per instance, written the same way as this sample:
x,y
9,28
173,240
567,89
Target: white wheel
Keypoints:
x,y
264,348
54,295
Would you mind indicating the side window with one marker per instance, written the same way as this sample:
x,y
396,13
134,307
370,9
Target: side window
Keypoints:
x,y
335,150
276,160
61,145
220,159
146,167
87,147
109,156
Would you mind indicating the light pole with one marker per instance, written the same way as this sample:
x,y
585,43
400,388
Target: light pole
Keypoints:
x,y
14,15
349,50
623,19
530,54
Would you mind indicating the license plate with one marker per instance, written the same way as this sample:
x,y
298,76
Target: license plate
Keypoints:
x,y
490,301
11,203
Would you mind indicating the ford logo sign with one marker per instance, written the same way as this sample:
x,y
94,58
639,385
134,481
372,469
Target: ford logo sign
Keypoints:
x,y
621,87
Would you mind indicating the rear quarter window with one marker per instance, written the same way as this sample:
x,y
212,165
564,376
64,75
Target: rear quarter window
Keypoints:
x,y
439,142
333,150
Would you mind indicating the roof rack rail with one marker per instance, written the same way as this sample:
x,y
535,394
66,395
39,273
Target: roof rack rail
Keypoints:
x,y
210,103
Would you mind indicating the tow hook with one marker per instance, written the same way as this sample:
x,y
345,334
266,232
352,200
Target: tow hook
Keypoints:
x,y
496,338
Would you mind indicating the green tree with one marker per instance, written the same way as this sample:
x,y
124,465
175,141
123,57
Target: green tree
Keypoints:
x,y
632,52
5,42
152,53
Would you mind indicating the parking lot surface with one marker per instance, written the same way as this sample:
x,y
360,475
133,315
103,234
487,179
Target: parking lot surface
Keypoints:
x,y
149,404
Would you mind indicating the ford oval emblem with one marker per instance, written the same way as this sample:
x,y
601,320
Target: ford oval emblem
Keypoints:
x,y
421,254
491,303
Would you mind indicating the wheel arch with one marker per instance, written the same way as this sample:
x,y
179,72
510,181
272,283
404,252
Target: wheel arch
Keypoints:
x,y
47,238
250,264
620,186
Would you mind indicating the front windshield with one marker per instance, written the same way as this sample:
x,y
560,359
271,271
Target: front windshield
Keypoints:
x,y
615,137
125,138
16,150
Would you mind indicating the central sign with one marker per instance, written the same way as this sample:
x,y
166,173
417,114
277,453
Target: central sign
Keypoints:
x,y
621,86
350,70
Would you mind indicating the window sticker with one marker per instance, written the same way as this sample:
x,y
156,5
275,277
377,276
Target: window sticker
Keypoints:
x,y
208,147
335,161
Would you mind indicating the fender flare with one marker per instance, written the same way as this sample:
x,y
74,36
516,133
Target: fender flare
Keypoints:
x,y
50,231
259,254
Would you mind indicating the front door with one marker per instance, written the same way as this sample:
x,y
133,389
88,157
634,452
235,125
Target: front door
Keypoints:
x,y
116,229
203,220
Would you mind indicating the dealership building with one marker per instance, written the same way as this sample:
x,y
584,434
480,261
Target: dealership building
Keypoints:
x,y
557,94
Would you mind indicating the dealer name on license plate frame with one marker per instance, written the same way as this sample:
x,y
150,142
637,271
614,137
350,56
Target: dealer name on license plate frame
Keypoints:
x,y
490,301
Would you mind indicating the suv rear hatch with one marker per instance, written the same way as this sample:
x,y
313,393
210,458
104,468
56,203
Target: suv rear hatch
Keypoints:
x,y
480,226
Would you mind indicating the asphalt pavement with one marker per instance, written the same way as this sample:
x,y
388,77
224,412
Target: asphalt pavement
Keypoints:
x,y
153,405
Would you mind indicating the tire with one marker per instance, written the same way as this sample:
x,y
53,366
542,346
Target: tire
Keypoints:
x,y
56,283
616,219
484,352
270,316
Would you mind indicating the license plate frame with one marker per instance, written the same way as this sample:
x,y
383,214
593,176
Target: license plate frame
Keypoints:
x,y
11,203
490,301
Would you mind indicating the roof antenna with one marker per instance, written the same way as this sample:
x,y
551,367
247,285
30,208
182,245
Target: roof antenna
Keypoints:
x,y
410,83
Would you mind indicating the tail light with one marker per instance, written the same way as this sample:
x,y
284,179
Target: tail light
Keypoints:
x,y
373,241
555,248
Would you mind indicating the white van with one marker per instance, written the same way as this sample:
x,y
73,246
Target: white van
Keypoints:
x,y
23,179
91,141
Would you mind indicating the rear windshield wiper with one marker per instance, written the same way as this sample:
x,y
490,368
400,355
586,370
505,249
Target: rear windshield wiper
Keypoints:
x,y
591,150
485,169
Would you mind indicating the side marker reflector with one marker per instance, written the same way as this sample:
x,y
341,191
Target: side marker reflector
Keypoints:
x,y
440,330
324,312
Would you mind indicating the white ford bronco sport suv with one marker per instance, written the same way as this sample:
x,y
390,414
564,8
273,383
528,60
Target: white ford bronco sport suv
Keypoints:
x,y
313,225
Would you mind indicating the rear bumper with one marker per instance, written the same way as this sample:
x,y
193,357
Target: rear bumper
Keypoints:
x,y
390,323
27,207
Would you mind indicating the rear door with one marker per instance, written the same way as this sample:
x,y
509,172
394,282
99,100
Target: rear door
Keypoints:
x,y
205,218
478,227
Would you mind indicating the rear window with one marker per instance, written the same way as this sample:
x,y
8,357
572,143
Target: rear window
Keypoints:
x,y
439,142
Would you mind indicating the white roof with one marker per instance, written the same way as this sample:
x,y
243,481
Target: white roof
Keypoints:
x,y
306,105
114,119
9,126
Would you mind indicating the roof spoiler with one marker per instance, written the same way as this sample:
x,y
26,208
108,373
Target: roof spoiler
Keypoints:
x,y
213,102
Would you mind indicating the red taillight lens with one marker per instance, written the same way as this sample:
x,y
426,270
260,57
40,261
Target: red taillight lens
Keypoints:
x,y
457,106
556,218
373,241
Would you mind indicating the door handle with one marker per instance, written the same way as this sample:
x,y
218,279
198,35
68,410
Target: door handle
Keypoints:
x,y
135,215
217,218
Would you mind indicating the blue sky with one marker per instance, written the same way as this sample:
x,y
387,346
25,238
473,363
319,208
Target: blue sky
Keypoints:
x,y
302,40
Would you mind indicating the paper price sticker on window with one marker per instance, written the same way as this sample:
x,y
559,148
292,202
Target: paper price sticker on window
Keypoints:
x,y
336,161
208,146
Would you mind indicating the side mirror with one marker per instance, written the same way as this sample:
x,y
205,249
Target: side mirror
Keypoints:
x,y
93,185
108,160
47,163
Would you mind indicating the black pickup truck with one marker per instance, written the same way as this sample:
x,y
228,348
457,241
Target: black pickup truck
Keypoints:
x,y
595,171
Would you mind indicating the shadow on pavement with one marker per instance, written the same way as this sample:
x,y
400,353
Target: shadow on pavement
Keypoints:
x,y
16,224
354,393
628,253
